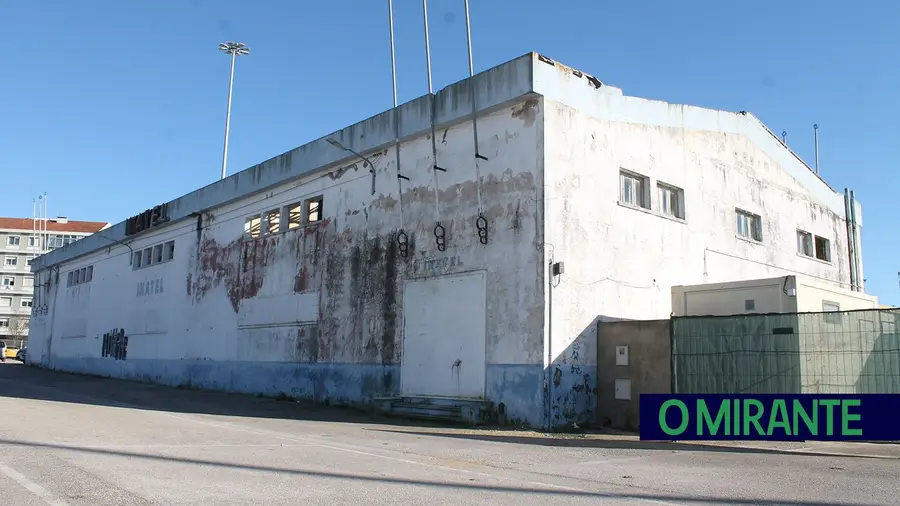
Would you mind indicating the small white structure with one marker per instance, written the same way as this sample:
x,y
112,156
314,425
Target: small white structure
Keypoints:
x,y
786,294
344,270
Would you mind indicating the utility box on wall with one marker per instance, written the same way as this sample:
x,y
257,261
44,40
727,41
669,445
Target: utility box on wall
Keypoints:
x,y
621,355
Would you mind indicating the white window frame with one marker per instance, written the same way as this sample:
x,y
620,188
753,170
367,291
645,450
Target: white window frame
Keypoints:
x,y
169,251
12,280
831,307
640,196
753,225
826,257
665,189
14,240
253,226
3,299
314,205
23,300
4,323
15,262
805,244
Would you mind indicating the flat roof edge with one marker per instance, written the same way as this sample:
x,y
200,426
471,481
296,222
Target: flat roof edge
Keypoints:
x,y
494,88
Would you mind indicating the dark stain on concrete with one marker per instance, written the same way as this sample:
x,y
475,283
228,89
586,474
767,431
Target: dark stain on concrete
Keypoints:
x,y
301,280
389,304
526,112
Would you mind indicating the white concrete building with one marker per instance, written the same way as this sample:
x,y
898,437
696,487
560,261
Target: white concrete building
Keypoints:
x,y
22,239
309,276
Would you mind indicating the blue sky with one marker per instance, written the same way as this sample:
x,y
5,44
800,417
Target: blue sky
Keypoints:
x,y
112,107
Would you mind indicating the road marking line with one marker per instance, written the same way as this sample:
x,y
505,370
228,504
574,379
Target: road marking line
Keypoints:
x,y
32,487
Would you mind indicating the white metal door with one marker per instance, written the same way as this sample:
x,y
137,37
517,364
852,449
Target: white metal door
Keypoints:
x,y
444,336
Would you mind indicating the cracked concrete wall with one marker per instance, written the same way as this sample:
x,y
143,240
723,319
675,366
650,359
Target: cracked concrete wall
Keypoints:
x,y
316,312
621,262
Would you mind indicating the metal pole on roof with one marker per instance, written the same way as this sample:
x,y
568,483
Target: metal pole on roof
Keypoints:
x,y
816,138
234,49
469,40
393,64
427,45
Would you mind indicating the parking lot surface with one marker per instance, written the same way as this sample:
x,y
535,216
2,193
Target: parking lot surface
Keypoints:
x,y
76,440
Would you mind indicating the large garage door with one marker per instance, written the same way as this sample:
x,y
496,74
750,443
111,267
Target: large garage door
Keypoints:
x,y
444,336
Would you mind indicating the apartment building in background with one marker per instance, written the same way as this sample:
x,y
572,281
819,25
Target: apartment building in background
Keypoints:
x,y
22,239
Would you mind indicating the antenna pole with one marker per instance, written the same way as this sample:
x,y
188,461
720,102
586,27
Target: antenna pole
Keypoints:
x,y
816,137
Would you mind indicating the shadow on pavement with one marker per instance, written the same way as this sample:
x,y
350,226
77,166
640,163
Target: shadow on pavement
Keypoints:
x,y
28,382
25,382
610,444
550,492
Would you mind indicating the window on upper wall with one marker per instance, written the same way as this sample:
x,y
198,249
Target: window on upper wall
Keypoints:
x,y
252,226
5,301
272,218
170,250
11,261
158,254
805,243
295,215
13,240
832,312
823,249
9,282
25,302
70,278
671,200
749,225
633,189
138,260
148,256
314,210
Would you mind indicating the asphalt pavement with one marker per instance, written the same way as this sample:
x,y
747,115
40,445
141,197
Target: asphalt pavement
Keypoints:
x,y
78,440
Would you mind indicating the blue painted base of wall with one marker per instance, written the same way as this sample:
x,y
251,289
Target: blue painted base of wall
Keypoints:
x,y
519,390
574,392
348,384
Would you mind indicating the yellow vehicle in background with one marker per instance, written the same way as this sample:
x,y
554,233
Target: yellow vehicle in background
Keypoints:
x,y
10,352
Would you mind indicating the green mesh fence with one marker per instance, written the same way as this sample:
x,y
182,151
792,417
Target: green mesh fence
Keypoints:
x,y
835,352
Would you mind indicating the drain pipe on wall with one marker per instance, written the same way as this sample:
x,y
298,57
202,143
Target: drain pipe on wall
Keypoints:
x,y
851,256
550,346
857,261
556,270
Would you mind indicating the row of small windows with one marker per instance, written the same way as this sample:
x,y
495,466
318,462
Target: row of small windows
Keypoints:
x,y
749,226
152,255
292,216
52,241
80,276
634,190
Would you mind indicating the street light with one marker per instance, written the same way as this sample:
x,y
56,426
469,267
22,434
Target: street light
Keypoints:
x,y
337,144
234,49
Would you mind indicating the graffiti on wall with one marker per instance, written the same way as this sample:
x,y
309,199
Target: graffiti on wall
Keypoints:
x,y
115,344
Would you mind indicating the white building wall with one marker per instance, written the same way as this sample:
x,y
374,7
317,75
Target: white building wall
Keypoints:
x,y
317,312
621,262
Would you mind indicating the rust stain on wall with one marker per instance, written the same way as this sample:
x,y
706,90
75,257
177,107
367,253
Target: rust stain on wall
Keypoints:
x,y
241,266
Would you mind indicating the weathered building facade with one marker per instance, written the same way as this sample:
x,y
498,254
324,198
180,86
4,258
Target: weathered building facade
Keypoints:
x,y
333,272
